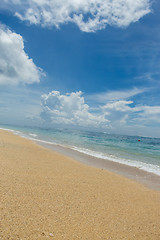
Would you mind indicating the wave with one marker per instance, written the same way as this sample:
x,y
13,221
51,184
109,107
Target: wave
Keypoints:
x,y
33,135
140,165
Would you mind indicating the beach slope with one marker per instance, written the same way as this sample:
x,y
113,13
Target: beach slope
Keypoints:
x,y
45,195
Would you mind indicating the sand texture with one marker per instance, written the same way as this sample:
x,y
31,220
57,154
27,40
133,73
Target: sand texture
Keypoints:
x,y
45,195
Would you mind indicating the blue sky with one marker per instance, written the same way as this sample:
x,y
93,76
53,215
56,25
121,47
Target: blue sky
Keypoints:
x,y
88,64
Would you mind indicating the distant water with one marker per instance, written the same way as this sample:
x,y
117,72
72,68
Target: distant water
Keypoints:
x,y
140,152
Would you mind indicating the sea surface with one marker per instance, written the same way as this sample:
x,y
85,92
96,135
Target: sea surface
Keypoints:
x,y
140,152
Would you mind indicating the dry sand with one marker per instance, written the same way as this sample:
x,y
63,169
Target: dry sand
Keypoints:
x,y
45,195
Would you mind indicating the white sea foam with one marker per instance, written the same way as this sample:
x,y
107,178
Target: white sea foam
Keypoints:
x,y
33,135
46,142
143,166
11,130
6,129
35,139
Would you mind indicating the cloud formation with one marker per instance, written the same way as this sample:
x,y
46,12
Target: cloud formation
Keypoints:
x,y
89,15
15,65
124,112
116,95
69,109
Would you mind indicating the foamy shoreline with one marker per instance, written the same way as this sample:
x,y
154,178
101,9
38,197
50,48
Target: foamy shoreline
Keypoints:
x,y
139,173
148,179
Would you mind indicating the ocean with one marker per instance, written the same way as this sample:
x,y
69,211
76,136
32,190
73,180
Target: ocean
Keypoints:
x,y
140,152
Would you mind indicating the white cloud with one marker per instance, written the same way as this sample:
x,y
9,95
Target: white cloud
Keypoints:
x,y
116,95
118,113
123,121
69,109
122,112
121,106
89,15
15,65
148,114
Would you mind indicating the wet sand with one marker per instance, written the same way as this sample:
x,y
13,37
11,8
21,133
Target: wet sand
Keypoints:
x,y
148,179
46,195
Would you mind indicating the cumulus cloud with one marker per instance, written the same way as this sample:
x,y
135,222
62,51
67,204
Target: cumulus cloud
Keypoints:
x,y
15,65
89,15
69,109
123,112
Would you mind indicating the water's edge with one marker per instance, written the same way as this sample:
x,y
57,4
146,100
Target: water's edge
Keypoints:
x,y
148,179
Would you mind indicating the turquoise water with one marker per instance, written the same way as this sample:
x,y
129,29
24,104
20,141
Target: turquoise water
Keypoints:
x,y
141,152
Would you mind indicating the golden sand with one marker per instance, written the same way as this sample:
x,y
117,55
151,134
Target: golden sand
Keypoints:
x,y
45,195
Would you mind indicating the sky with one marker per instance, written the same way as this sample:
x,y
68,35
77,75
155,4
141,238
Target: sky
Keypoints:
x,y
88,64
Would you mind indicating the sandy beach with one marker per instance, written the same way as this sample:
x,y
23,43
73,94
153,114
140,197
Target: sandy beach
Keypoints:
x,y
46,195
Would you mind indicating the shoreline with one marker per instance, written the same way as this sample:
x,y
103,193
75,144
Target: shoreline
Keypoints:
x,y
148,179
48,195
131,161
